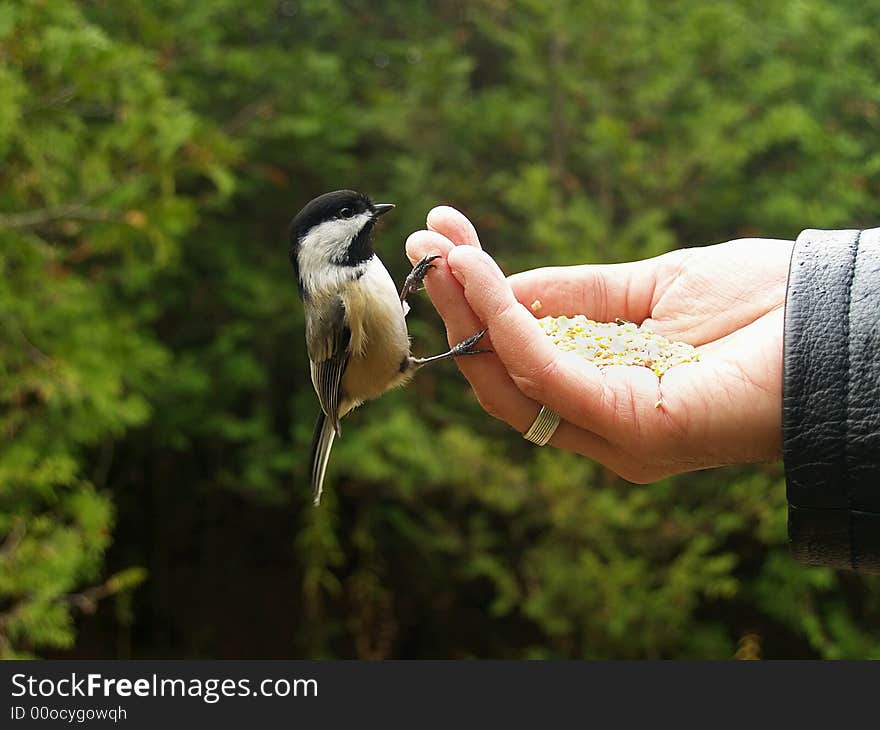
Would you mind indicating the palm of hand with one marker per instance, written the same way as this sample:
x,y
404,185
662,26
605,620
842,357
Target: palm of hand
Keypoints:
x,y
728,301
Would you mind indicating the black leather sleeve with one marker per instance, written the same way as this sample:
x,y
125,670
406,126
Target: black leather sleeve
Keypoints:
x,y
831,399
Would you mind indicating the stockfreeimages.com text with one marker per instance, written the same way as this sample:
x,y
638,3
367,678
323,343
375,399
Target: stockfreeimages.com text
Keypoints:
x,y
209,690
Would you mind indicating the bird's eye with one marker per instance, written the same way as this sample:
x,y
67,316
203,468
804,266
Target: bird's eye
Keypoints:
x,y
346,213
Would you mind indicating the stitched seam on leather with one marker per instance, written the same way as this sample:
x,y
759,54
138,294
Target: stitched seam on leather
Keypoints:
x,y
834,509
851,274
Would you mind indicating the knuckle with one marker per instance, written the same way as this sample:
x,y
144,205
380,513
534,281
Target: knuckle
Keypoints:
x,y
534,382
490,404
638,473
502,311
674,263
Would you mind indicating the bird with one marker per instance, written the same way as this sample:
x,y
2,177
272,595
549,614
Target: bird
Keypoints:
x,y
355,318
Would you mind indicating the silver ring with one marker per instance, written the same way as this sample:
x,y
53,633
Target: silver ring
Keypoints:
x,y
543,427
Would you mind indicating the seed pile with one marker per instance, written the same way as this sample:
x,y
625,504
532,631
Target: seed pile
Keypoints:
x,y
620,343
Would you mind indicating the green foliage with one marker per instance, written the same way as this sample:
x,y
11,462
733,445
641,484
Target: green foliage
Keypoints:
x,y
93,149
152,372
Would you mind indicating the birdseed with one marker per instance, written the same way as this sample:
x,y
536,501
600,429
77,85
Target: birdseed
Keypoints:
x,y
617,343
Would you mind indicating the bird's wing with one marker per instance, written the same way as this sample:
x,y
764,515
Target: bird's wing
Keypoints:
x,y
327,340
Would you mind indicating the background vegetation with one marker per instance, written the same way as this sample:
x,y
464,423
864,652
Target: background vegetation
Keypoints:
x,y
155,405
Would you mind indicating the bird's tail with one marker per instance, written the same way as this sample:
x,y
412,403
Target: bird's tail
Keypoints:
x,y
322,442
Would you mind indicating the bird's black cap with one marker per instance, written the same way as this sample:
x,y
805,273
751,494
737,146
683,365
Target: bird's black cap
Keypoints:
x,y
325,207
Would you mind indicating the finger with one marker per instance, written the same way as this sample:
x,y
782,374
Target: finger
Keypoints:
x,y
454,225
482,371
427,243
448,298
572,387
601,292
443,289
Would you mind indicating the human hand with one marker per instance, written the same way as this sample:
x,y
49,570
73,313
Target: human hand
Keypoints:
x,y
727,300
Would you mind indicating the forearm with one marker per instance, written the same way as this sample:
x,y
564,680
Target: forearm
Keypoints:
x,y
831,399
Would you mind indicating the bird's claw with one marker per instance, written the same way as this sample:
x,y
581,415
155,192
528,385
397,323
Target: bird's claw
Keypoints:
x,y
417,276
467,347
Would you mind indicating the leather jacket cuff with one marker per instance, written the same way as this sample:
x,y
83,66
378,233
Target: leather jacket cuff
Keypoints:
x,y
831,398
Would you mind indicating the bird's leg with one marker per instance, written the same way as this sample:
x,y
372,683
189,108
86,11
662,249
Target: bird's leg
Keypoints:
x,y
414,283
415,278
465,347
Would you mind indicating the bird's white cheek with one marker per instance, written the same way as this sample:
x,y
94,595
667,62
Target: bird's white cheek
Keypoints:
x,y
329,240
321,246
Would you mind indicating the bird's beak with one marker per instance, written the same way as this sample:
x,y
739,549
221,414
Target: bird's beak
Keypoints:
x,y
382,209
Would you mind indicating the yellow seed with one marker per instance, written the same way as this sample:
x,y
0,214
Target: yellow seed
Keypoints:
x,y
604,343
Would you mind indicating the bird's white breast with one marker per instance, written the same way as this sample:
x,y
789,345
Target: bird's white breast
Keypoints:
x,y
379,340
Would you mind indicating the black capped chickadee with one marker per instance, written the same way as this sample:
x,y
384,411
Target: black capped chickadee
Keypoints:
x,y
356,332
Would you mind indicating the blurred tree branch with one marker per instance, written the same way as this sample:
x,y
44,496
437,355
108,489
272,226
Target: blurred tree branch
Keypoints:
x,y
41,216
13,539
